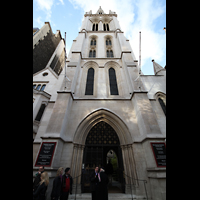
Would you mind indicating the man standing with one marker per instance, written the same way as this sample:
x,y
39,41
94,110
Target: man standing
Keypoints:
x,y
103,185
37,178
94,180
66,185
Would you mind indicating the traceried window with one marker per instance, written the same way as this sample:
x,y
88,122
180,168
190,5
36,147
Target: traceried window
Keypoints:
x,y
106,27
162,104
109,53
113,82
90,82
43,86
40,112
95,27
93,42
38,87
92,54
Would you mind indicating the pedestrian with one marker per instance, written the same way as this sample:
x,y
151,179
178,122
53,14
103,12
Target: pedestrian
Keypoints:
x,y
37,178
66,185
57,182
109,170
103,185
39,193
94,180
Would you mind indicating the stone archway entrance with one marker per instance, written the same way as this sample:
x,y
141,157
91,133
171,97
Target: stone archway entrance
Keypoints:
x,y
122,145
101,139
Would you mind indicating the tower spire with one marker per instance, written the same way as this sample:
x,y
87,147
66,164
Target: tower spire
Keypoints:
x,y
100,11
157,68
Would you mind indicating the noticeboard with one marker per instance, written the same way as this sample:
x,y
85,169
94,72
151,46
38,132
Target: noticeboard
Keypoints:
x,y
159,150
45,154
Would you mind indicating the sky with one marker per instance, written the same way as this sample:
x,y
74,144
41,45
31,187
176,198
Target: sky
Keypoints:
x,y
147,16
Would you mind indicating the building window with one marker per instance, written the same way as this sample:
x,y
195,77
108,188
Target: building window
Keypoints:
x,y
38,87
113,82
42,88
92,54
108,42
93,42
106,27
109,54
163,106
95,27
90,82
40,112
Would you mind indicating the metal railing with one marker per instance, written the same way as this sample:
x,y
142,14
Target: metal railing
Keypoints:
x,y
144,181
76,184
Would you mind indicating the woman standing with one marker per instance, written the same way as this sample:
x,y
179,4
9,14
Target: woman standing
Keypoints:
x,y
39,194
57,183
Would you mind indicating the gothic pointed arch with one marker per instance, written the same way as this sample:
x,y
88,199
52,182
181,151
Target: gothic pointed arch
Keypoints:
x,y
122,133
107,116
161,98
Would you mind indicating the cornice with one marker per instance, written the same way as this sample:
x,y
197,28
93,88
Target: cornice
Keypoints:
x,y
100,15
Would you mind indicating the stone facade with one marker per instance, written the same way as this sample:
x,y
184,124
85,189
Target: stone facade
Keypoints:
x,y
44,44
135,113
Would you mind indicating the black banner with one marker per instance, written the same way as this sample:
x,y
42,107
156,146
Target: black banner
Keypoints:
x,y
46,154
159,150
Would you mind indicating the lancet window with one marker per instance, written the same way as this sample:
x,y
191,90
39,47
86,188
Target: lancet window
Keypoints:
x,y
106,27
95,27
109,54
113,82
90,82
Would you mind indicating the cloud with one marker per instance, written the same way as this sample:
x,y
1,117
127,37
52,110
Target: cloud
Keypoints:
x,y
61,1
45,5
38,20
153,41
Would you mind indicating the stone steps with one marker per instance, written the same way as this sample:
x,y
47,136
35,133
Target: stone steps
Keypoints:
x,y
111,196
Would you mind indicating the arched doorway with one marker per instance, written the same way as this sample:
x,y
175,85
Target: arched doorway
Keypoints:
x,y
124,149
100,140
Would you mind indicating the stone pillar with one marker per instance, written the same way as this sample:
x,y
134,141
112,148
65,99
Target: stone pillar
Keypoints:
x,y
74,157
132,164
81,159
77,164
126,168
100,25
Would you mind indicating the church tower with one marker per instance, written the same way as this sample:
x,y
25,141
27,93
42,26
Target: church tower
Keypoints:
x,y
101,108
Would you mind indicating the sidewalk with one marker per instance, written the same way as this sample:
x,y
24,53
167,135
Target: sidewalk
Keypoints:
x,y
111,196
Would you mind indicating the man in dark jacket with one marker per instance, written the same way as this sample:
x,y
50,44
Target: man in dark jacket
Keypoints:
x,y
37,178
94,180
66,185
103,185
57,186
